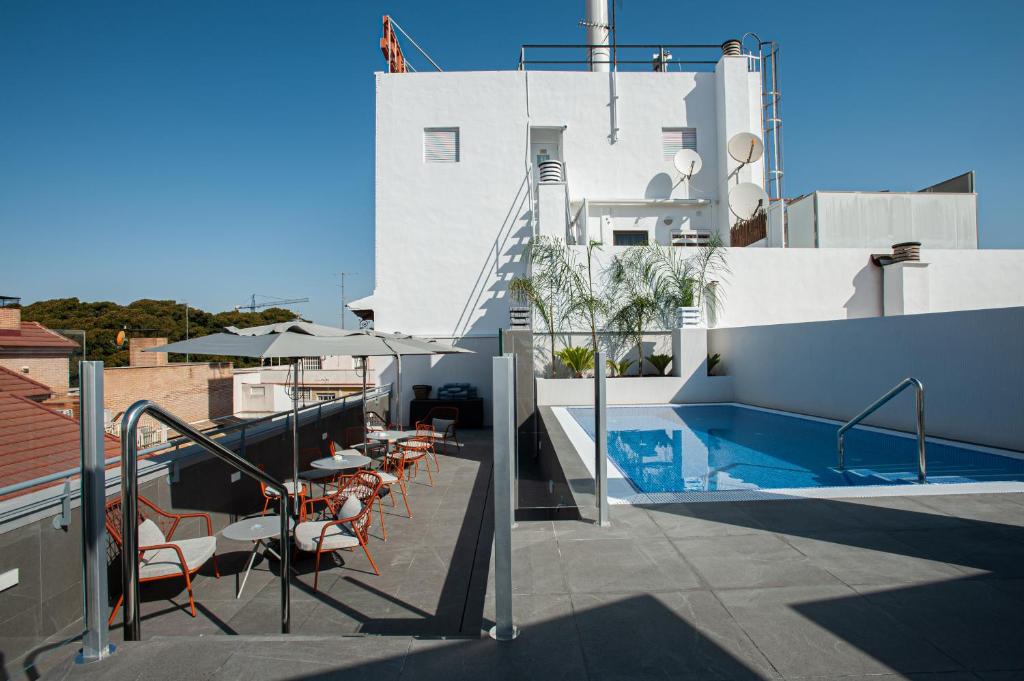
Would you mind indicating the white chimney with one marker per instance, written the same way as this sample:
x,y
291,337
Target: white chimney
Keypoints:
x,y
597,34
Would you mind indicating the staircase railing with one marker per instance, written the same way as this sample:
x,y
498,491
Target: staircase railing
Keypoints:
x,y
130,507
922,464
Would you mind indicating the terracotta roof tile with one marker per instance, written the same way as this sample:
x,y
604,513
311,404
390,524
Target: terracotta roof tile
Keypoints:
x,y
35,335
18,384
35,441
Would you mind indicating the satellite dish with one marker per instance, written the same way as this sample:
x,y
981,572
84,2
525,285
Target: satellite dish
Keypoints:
x,y
746,199
745,147
120,339
687,162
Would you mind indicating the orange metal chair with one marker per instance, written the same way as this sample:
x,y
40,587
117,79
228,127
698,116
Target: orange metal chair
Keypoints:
x,y
320,536
160,557
447,432
271,495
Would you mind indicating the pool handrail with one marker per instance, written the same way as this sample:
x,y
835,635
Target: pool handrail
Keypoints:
x,y
922,465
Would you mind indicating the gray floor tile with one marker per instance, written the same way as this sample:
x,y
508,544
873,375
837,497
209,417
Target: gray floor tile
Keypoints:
x,y
971,620
703,520
829,630
682,635
624,566
863,558
761,560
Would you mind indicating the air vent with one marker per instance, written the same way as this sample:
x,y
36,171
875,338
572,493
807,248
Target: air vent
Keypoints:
x,y
674,139
441,145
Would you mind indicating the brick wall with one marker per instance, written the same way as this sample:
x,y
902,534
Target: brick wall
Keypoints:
x,y
50,371
193,392
10,318
138,358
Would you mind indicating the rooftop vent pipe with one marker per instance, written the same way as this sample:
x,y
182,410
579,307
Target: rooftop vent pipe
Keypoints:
x,y
731,48
597,34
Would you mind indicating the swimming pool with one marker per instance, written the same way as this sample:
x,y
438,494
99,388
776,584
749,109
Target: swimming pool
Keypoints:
x,y
710,448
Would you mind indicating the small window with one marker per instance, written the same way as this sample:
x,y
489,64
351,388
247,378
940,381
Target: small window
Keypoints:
x,y
629,238
311,364
441,145
257,391
674,139
324,397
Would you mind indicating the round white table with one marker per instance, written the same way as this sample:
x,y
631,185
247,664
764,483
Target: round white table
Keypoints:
x,y
390,436
258,530
346,460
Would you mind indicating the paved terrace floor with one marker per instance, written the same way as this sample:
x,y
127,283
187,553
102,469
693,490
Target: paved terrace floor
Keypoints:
x,y
889,588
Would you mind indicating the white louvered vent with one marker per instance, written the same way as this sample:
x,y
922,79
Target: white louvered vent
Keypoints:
x,y
674,139
441,145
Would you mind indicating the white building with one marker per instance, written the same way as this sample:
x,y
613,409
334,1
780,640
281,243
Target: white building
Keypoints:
x,y
263,390
459,192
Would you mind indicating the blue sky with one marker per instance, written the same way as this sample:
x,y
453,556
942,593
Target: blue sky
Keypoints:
x,y
204,151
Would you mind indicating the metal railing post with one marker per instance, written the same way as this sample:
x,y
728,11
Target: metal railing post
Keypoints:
x,y
130,528
96,639
601,439
503,402
922,463
130,504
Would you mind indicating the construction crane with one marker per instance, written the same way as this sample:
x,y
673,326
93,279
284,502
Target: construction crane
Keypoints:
x,y
252,305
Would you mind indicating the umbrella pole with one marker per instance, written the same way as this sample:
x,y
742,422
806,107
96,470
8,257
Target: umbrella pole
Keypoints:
x,y
398,392
295,438
365,444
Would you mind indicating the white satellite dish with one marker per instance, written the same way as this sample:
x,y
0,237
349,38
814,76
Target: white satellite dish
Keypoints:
x,y
745,147
687,162
746,199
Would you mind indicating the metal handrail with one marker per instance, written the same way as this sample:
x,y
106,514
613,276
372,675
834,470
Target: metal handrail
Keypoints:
x,y
922,467
130,506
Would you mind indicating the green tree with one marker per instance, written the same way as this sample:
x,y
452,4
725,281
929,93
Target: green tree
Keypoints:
x,y
545,287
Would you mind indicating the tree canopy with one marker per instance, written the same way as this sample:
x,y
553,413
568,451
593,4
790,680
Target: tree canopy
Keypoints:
x,y
143,318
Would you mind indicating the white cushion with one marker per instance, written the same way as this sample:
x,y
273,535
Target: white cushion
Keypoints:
x,y
288,485
416,444
386,478
150,534
441,425
350,508
160,562
307,536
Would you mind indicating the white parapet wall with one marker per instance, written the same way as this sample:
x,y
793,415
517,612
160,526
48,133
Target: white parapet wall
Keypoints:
x,y
552,392
971,364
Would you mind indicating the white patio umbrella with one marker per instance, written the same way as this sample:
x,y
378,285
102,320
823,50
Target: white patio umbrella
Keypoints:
x,y
294,340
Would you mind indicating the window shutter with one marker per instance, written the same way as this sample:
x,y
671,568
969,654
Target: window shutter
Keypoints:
x,y
441,145
674,139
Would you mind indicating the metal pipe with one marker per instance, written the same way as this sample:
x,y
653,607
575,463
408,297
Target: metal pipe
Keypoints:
x,y
598,34
295,438
398,391
601,439
96,638
922,464
130,504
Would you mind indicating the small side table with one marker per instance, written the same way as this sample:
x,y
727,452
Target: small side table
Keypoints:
x,y
257,530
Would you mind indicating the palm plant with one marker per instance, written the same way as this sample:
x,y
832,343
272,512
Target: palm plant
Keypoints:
x,y
639,294
660,362
689,281
584,304
544,288
618,368
578,359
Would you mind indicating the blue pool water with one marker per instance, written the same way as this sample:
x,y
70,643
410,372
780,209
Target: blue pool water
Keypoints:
x,y
728,447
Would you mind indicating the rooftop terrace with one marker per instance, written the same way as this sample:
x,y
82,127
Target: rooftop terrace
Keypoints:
x,y
897,587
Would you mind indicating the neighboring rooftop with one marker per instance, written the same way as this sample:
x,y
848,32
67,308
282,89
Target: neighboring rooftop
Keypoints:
x,y
36,441
13,383
15,333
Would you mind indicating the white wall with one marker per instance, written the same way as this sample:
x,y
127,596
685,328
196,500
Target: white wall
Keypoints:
x,y
635,390
879,219
971,364
437,370
450,236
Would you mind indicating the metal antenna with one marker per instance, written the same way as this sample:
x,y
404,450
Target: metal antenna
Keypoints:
x,y
343,275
